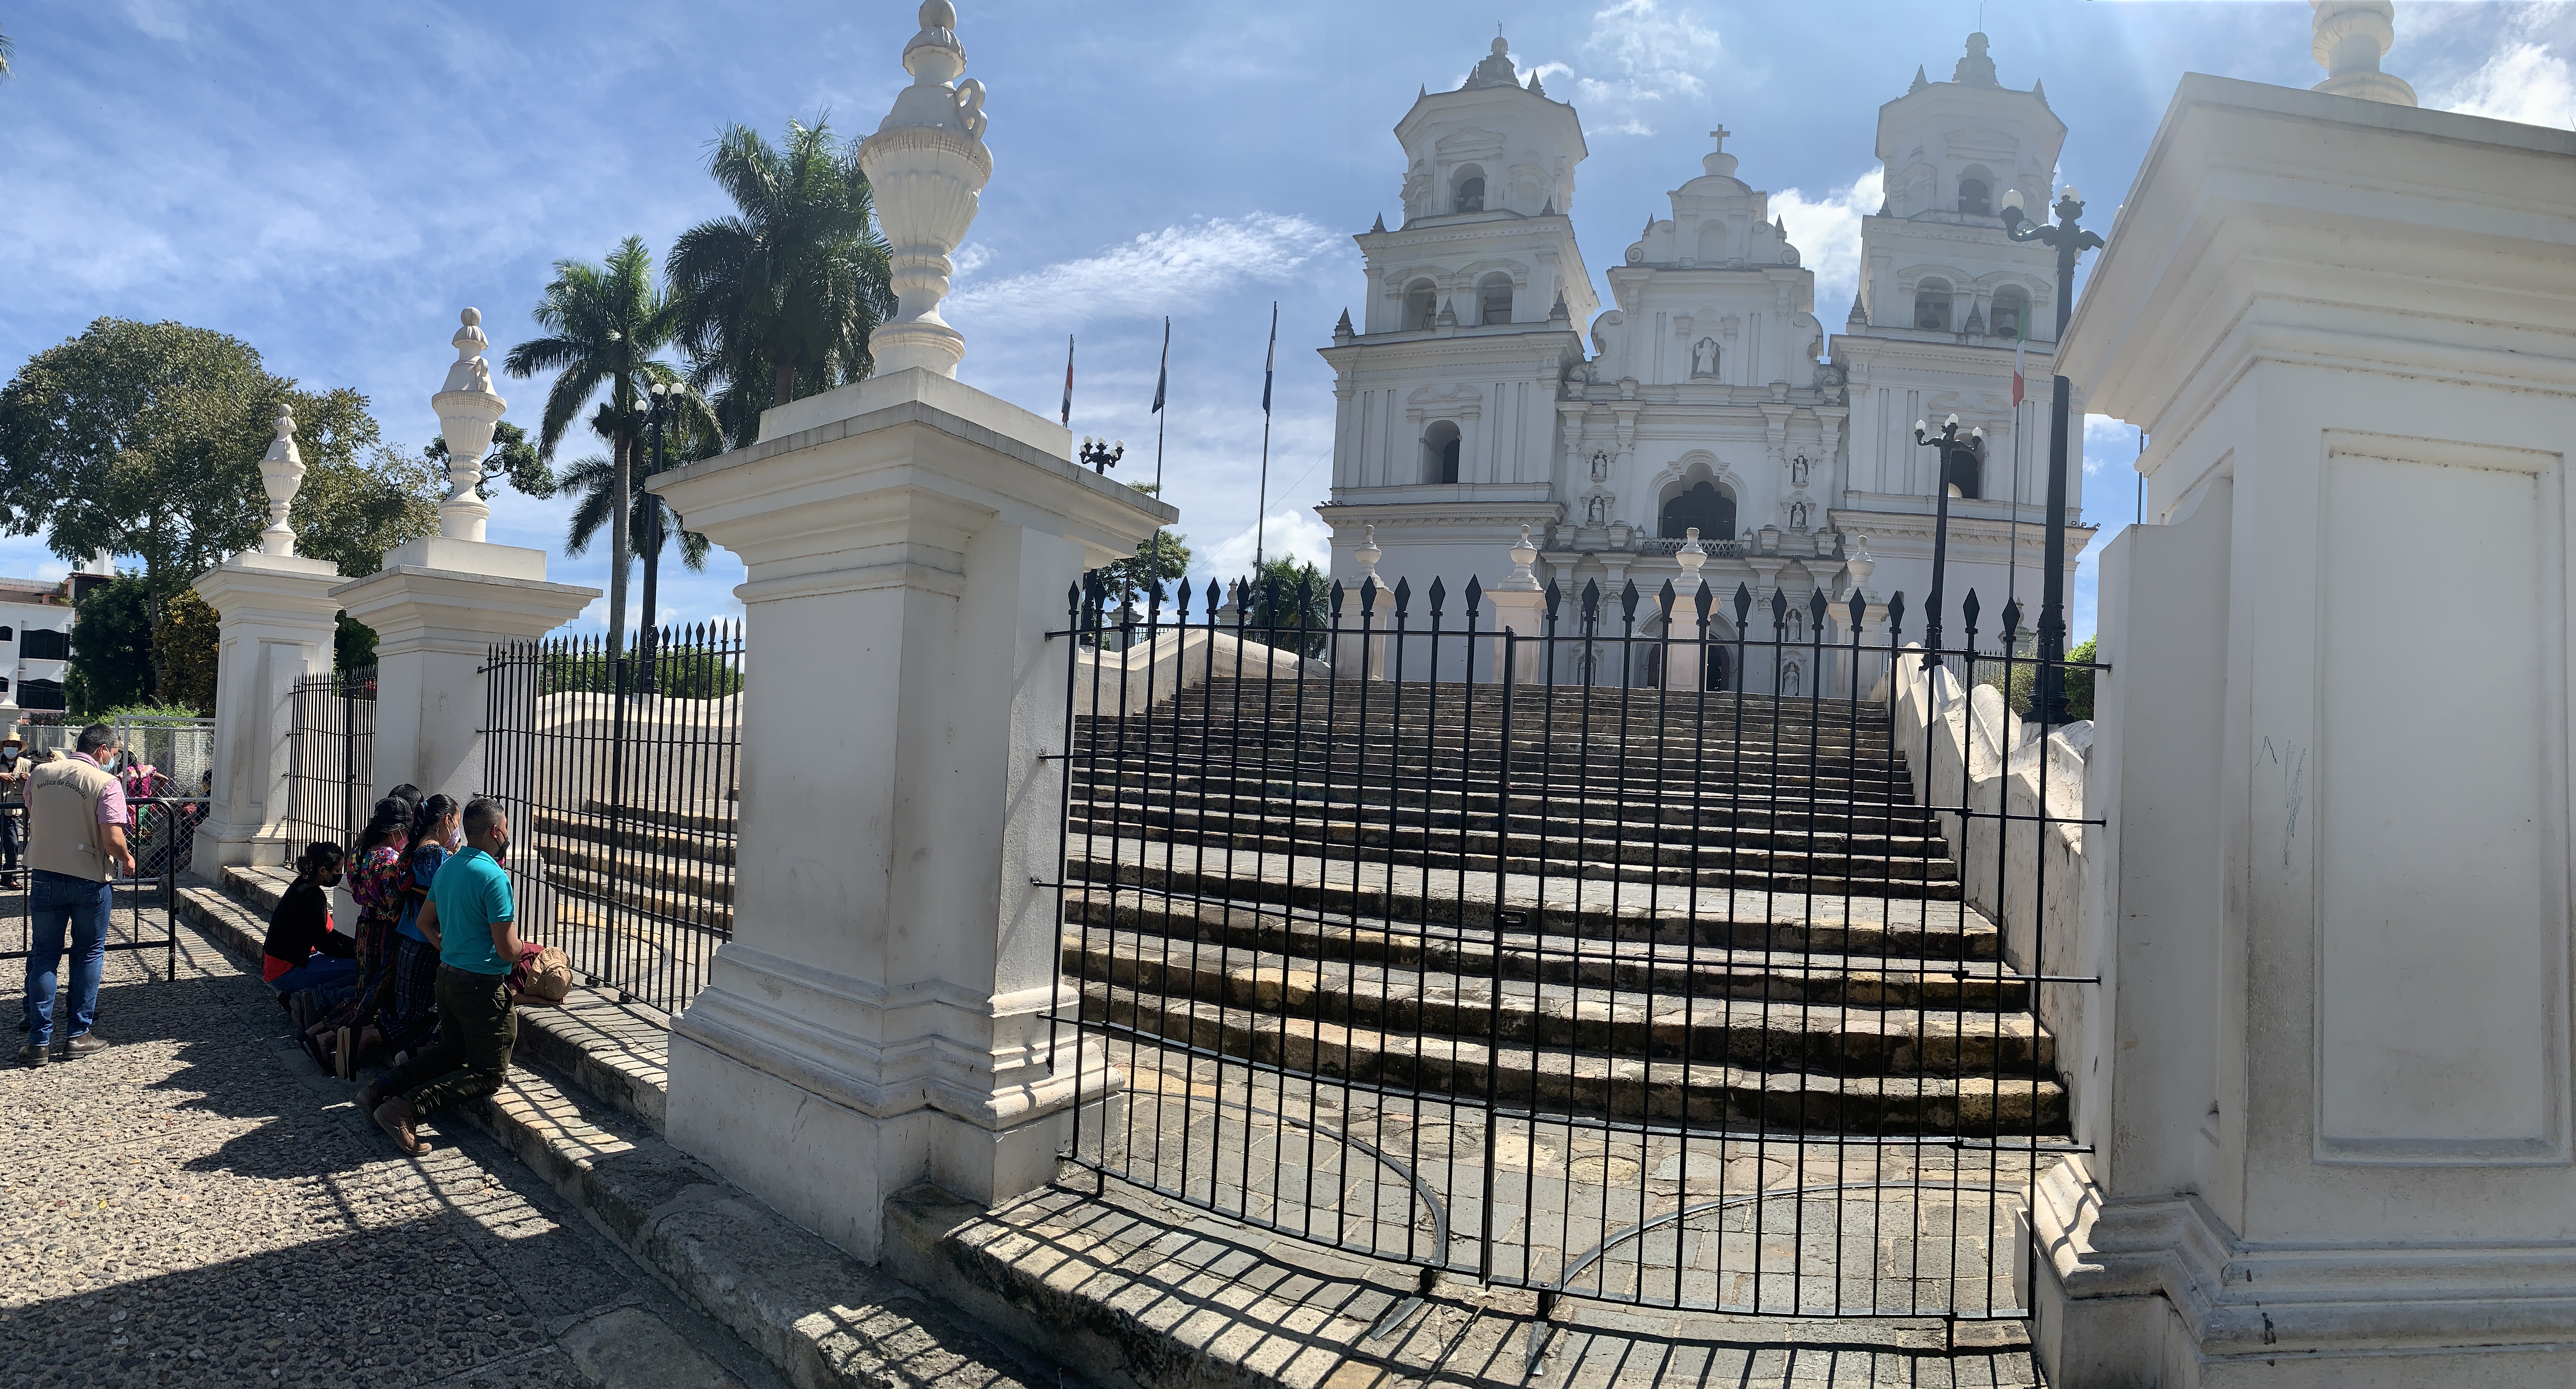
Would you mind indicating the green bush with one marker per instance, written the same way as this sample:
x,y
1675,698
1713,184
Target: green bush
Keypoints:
x,y
2025,679
682,673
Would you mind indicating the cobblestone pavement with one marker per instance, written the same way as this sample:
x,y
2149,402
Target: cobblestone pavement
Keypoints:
x,y
200,1206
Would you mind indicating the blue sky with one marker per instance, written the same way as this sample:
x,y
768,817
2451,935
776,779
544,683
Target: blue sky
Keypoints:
x,y
331,182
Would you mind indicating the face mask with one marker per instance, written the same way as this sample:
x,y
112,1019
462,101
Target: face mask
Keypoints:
x,y
8,754
501,849
456,839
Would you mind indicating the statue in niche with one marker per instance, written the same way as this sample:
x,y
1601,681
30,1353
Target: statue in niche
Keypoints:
x,y
1600,465
1596,510
1798,471
1704,358
1798,514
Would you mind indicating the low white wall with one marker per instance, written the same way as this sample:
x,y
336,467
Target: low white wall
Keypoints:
x,y
2027,876
1130,681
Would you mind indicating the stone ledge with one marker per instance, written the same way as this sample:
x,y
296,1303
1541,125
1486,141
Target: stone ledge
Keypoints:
x,y
826,1320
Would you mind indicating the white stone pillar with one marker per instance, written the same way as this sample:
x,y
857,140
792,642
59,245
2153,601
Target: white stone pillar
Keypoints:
x,y
1520,607
879,1015
277,623
442,602
2326,1077
1368,602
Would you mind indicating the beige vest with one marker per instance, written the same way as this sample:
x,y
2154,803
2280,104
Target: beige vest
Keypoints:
x,y
63,836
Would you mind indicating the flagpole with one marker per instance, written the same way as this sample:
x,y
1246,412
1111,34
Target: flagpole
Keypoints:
x,y
1162,376
1261,514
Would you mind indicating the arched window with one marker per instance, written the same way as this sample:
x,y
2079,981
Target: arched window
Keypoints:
x,y
1932,305
1716,670
2011,316
1494,295
1702,504
1440,452
40,694
1421,304
1977,191
41,645
8,634
1469,194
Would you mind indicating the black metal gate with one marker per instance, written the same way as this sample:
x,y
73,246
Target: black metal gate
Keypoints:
x,y
331,759
1625,955
620,777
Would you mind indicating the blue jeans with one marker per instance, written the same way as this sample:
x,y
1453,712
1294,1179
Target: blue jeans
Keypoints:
x,y
320,972
56,904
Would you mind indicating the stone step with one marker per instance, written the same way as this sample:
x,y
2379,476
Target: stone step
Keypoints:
x,y
1561,803
1588,1083
1645,783
709,840
638,868
1403,827
1824,1037
668,908
1716,866
1396,896
1785,961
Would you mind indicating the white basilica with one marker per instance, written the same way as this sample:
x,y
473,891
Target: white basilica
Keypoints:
x,y
1707,394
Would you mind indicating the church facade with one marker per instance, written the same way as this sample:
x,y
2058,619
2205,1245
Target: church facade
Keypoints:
x,y
1485,388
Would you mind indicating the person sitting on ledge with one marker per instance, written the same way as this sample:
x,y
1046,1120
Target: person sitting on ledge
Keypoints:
x,y
302,953
471,916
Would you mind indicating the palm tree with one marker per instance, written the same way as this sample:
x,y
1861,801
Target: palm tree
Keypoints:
x,y
777,301
593,481
6,48
604,322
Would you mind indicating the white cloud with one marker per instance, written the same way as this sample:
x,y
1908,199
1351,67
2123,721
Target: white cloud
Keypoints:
x,y
1173,270
1825,228
159,19
2522,81
1294,533
1643,58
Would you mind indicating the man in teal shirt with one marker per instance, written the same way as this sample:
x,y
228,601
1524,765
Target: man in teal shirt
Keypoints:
x,y
470,918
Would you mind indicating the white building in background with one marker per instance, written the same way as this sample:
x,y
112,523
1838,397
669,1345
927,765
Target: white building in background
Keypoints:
x,y
1707,394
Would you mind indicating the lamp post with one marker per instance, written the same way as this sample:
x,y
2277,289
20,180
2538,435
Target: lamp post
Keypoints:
x,y
1950,445
1101,454
2070,241
647,647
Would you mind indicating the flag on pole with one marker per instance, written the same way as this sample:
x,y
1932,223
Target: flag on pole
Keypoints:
x,y
1270,363
1066,416
1163,374
2017,371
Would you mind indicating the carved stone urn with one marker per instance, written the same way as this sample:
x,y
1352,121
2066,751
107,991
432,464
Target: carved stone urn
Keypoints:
x,y
468,409
927,164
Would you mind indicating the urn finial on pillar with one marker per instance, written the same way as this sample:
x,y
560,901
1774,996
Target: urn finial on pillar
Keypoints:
x,y
281,471
926,164
1524,554
468,409
1368,554
2351,37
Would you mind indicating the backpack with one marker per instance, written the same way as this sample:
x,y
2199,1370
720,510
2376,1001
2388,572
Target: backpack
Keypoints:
x,y
543,975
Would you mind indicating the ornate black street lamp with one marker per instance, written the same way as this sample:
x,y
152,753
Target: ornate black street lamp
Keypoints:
x,y
1101,454
2070,241
1954,450
647,648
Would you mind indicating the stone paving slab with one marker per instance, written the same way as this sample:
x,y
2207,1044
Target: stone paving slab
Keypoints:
x,y
197,1205
807,1309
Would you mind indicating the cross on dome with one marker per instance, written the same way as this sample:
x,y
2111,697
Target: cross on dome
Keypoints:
x,y
1495,70
1718,161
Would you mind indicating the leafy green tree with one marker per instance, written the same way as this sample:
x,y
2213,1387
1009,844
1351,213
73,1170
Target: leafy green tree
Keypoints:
x,y
778,300
111,660
603,325
512,457
144,439
353,644
186,648
351,510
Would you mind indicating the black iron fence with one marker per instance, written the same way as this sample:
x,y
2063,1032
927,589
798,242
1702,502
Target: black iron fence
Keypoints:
x,y
1611,944
331,757
142,908
622,804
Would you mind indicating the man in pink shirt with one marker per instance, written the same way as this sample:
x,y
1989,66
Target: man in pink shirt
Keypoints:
x,y
76,846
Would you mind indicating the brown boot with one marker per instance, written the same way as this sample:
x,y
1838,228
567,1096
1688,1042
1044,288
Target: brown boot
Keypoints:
x,y
396,1116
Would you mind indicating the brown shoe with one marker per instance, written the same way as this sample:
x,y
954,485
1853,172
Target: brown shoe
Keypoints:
x,y
372,1094
396,1116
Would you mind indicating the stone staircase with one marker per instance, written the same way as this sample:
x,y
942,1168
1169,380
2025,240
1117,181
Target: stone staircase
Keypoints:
x,y
672,865
1720,910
